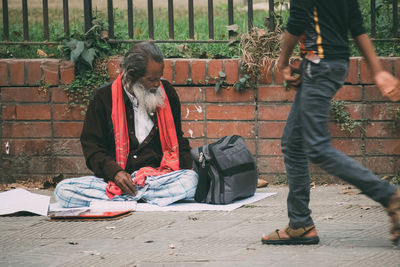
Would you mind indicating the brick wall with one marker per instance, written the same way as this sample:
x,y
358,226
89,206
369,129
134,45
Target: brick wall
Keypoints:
x,y
40,140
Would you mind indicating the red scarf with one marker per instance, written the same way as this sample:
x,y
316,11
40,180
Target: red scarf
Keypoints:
x,y
168,138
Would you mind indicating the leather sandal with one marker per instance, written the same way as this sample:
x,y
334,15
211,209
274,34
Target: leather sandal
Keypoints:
x,y
296,237
393,210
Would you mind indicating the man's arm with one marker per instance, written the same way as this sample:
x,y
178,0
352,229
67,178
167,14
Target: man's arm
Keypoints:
x,y
289,43
386,83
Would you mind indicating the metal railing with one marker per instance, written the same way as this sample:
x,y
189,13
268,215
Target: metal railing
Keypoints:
x,y
88,11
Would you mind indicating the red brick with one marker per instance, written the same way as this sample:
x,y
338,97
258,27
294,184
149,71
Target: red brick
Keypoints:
x,y
26,129
352,77
17,72
221,129
228,112
23,167
336,131
23,94
33,112
275,93
28,147
271,165
382,147
269,147
196,142
355,111
380,111
231,67
383,165
65,112
198,71
67,129
69,165
67,73
59,95
372,93
190,94
349,92
69,147
51,72
381,129
3,73
366,75
9,112
351,147
266,74
33,72
229,95
193,129
273,112
114,67
251,145
181,71
271,129
168,70
214,66
192,112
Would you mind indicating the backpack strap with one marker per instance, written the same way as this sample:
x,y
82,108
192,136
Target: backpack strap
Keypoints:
x,y
203,185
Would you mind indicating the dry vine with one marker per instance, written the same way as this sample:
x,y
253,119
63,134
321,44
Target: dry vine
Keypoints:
x,y
260,50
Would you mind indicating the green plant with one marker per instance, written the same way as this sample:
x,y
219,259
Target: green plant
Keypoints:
x,y
396,179
280,180
396,118
88,51
221,81
43,87
341,116
84,84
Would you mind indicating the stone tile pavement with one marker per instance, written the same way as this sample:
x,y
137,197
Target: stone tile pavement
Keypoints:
x,y
353,232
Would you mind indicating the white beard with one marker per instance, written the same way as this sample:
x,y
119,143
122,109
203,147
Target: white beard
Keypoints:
x,y
148,99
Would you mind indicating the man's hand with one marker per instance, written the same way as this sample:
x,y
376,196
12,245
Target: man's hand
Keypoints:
x,y
291,77
388,85
124,181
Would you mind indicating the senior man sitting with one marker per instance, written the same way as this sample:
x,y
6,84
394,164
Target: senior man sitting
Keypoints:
x,y
132,139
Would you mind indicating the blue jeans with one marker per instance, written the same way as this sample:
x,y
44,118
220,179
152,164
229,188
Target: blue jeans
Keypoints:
x,y
306,137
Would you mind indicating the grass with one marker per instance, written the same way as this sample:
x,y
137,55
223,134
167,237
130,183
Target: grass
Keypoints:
x,y
181,30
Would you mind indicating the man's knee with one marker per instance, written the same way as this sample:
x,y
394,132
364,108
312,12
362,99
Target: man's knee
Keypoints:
x,y
190,175
317,153
60,189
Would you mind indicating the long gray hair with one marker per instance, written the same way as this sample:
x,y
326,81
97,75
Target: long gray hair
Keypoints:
x,y
135,60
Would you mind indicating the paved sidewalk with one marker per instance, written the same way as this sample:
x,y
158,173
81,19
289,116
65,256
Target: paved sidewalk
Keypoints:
x,y
353,232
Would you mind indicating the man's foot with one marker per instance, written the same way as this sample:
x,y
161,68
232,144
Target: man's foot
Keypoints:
x,y
394,213
289,236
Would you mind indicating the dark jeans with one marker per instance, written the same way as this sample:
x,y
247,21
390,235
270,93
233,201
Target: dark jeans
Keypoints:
x,y
306,137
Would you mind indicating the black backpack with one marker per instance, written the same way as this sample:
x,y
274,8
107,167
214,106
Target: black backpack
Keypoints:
x,y
227,171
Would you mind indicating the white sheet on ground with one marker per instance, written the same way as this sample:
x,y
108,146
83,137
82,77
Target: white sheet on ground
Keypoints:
x,y
191,205
19,199
185,205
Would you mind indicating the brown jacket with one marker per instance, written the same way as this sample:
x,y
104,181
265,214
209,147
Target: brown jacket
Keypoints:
x,y
98,142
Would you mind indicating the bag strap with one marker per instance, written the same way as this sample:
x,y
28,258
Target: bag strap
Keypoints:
x,y
204,182
219,170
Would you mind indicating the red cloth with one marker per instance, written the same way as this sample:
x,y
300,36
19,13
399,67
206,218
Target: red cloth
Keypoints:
x,y
168,138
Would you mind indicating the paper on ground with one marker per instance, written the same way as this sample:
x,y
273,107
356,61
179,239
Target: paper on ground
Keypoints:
x,y
17,200
191,205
